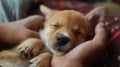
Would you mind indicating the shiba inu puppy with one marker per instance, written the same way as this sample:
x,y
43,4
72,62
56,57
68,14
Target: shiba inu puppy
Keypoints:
x,y
62,31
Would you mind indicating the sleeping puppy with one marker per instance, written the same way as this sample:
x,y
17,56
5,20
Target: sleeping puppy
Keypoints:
x,y
62,31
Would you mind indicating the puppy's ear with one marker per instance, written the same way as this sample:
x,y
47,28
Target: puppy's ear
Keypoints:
x,y
46,11
97,15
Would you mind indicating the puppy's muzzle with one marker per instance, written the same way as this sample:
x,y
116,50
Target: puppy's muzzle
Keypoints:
x,y
62,40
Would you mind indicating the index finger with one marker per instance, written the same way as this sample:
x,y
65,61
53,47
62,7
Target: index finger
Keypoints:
x,y
34,22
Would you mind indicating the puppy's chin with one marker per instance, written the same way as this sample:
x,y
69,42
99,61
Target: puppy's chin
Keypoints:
x,y
59,51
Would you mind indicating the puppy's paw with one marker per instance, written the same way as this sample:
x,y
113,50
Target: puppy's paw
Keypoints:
x,y
43,60
30,47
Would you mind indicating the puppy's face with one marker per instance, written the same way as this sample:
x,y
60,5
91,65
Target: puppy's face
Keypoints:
x,y
64,30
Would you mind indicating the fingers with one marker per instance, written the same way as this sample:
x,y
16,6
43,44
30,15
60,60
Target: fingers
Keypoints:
x,y
15,32
33,22
90,50
19,35
25,34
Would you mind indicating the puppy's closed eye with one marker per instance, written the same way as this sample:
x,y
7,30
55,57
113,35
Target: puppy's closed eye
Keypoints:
x,y
77,32
55,25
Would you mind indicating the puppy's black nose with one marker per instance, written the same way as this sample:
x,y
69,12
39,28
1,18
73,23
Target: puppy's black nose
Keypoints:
x,y
62,40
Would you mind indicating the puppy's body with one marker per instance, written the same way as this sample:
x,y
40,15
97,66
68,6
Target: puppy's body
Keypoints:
x,y
63,30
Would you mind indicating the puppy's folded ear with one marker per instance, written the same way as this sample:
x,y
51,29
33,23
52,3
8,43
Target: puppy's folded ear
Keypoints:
x,y
98,14
95,16
46,11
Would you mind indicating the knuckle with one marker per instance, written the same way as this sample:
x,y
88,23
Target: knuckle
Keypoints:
x,y
38,17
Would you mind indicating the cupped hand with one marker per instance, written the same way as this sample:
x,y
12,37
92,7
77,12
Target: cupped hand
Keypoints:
x,y
86,53
15,32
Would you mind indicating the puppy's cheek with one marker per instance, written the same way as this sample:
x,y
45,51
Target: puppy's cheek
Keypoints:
x,y
53,39
51,43
74,40
80,40
50,37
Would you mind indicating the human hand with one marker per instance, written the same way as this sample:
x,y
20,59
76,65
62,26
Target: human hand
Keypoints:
x,y
15,32
84,54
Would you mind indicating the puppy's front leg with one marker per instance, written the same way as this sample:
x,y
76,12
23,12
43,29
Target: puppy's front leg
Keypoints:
x,y
30,47
42,60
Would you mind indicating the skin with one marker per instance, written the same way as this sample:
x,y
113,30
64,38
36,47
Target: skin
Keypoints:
x,y
86,54
83,55
15,32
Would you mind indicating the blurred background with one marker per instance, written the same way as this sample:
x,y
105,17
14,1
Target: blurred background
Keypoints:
x,y
114,5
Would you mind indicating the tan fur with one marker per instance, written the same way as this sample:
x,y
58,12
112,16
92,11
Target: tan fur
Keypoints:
x,y
67,23
75,22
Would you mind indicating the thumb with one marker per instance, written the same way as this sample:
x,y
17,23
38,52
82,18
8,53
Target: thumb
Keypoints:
x,y
101,35
34,22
